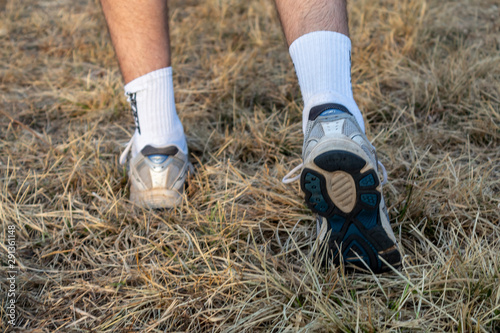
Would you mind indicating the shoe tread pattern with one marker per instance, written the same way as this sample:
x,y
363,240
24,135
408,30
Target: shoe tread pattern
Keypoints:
x,y
358,235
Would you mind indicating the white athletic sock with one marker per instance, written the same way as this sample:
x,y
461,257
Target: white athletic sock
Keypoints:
x,y
322,61
151,97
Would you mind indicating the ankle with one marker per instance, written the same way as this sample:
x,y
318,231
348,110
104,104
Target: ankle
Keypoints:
x,y
322,60
151,98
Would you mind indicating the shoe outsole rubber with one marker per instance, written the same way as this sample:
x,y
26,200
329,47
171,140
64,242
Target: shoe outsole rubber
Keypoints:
x,y
344,188
155,198
159,198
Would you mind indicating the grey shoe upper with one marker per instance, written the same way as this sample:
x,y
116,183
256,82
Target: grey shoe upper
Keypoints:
x,y
333,119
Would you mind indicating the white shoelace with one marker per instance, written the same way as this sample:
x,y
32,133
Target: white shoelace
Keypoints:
x,y
123,156
384,173
289,179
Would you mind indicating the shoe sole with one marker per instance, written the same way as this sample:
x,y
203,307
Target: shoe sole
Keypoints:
x,y
158,198
342,186
155,198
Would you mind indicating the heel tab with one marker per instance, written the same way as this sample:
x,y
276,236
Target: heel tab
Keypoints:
x,y
316,111
150,150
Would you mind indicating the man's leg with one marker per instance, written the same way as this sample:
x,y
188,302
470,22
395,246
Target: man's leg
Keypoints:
x,y
139,31
158,165
339,174
317,34
301,17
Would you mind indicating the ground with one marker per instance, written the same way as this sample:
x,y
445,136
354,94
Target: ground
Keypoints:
x,y
235,257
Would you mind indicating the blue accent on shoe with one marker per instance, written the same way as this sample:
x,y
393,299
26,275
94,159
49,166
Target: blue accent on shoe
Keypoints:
x,y
336,223
313,185
353,256
368,218
157,159
330,112
369,199
353,230
367,181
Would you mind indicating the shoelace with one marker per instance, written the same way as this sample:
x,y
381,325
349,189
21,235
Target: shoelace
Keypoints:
x,y
123,156
289,179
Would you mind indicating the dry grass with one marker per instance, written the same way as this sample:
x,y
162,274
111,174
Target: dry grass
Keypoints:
x,y
234,257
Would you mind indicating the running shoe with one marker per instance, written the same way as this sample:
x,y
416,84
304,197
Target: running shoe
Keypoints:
x,y
157,176
340,179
